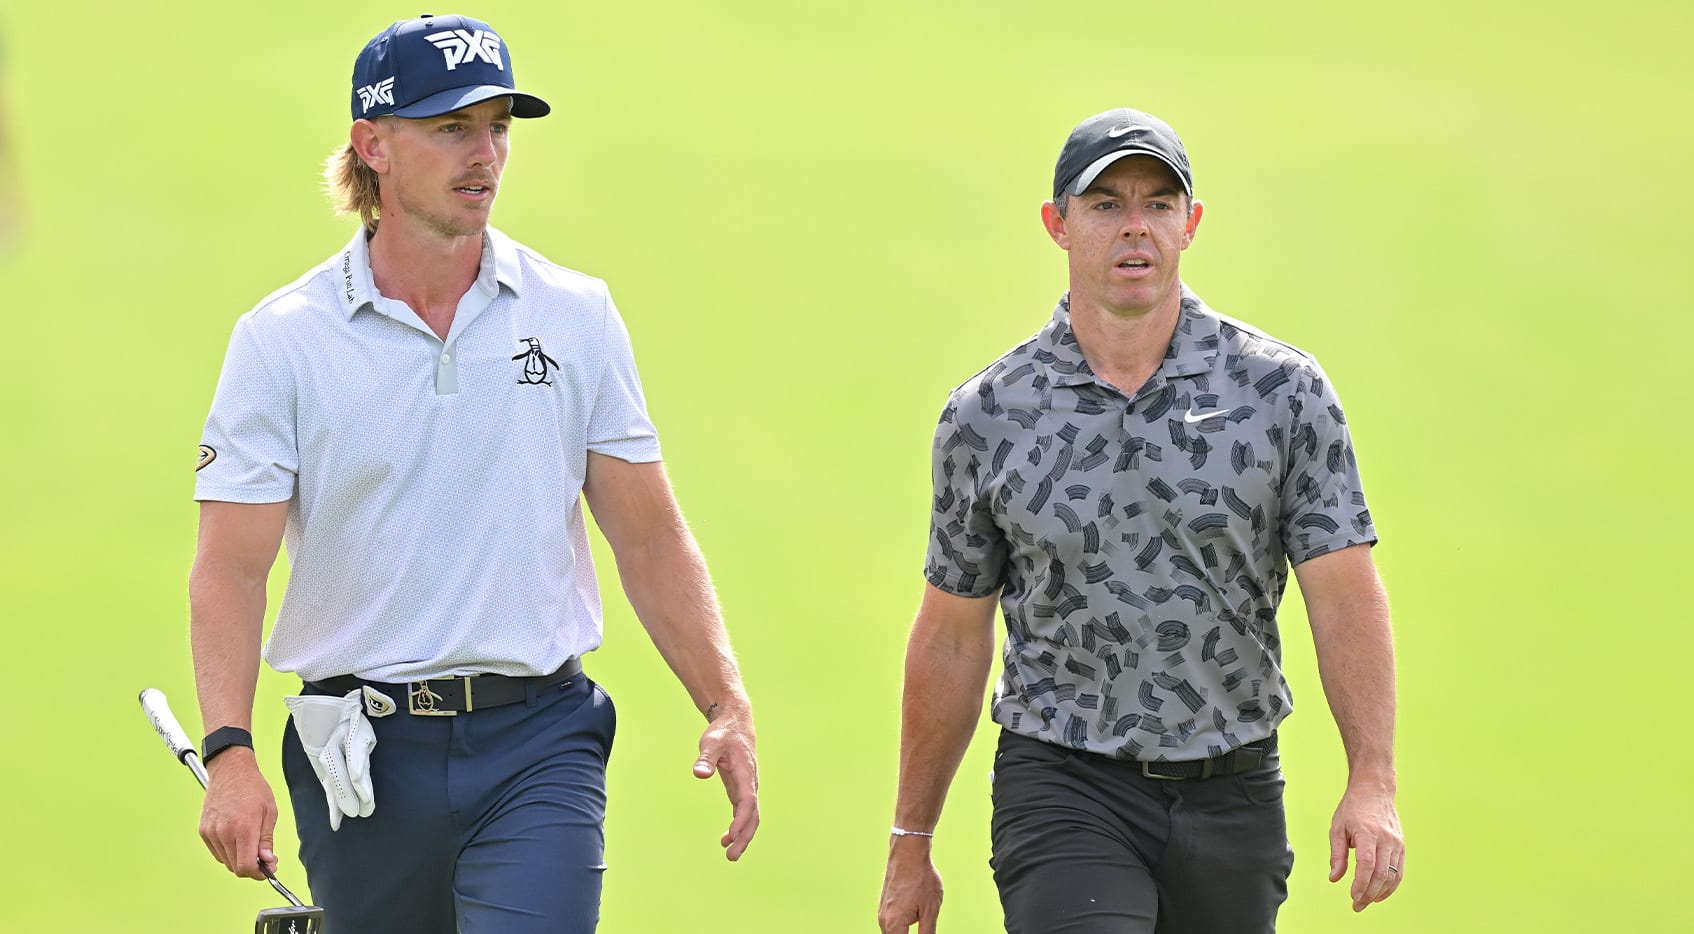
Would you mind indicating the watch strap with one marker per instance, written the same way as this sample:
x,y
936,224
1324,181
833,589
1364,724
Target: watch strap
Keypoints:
x,y
222,738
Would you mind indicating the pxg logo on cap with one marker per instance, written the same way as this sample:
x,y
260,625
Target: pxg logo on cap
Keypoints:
x,y
1107,137
433,65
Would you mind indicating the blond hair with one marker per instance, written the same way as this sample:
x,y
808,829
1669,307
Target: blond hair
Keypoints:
x,y
353,186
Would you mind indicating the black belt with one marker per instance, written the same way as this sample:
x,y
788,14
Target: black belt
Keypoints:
x,y
1243,758
447,697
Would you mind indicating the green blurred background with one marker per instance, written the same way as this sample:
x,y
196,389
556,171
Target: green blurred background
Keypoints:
x,y
817,219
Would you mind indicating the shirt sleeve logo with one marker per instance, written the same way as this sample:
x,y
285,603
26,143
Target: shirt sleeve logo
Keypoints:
x,y
207,455
535,364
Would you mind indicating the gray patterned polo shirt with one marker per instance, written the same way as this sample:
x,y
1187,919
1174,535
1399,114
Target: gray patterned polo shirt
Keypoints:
x,y
1140,546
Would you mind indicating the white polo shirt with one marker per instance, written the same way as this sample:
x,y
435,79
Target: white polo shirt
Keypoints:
x,y
435,523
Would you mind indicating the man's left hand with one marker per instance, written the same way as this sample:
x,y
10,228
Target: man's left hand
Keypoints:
x,y
1366,821
726,749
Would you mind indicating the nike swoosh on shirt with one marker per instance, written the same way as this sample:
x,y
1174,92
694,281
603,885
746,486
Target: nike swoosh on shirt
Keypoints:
x,y
1192,416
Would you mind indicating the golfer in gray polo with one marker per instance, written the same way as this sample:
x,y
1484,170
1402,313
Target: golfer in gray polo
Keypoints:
x,y
1130,486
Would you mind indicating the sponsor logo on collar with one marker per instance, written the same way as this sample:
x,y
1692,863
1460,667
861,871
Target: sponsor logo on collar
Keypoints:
x,y
347,273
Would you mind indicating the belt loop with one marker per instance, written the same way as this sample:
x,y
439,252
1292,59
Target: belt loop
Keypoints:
x,y
1249,759
529,698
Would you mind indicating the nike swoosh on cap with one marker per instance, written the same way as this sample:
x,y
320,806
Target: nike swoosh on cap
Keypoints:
x,y
1116,132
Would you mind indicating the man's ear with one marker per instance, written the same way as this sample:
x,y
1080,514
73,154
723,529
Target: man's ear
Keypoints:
x,y
1195,209
371,143
1055,224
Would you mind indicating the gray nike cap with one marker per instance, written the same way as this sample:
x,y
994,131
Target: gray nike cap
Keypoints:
x,y
1107,137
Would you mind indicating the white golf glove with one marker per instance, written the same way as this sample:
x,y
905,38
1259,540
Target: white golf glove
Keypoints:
x,y
338,741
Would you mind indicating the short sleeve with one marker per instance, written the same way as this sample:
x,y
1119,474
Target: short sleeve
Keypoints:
x,y
249,451
619,426
1323,499
967,550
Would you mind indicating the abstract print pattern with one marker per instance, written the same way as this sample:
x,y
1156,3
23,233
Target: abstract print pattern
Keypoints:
x,y
1140,545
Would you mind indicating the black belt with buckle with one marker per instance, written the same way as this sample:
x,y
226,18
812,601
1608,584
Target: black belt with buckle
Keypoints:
x,y
1244,758
448,697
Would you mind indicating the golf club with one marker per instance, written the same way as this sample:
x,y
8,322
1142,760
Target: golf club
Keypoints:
x,y
296,917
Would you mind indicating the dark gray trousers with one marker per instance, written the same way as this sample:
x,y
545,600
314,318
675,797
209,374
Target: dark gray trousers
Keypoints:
x,y
1085,844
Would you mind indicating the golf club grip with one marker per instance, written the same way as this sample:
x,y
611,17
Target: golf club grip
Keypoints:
x,y
158,710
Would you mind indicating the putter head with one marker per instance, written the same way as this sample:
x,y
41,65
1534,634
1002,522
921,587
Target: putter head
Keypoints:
x,y
288,920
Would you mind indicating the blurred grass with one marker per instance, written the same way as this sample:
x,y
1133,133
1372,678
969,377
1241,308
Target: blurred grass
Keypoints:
x,y
818,219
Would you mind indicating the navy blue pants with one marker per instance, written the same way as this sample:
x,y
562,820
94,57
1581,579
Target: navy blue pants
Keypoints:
x,y
1085,844
490,821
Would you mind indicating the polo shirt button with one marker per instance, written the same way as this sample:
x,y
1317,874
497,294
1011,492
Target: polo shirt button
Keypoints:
x,y
446,358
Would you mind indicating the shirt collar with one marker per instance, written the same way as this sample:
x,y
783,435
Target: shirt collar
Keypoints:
x,y
354,269
1058,352
1193,347
500,253
357,289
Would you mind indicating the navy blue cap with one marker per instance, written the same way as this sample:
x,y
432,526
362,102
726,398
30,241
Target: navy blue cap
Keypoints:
x,y
1107,137
433,65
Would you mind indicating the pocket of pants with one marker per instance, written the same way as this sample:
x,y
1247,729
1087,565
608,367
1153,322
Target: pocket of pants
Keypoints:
x,y
297,775
603,703
1017,760
1263,787
1017,748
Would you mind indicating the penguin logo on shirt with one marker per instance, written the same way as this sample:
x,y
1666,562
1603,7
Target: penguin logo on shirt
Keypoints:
x,y
535,364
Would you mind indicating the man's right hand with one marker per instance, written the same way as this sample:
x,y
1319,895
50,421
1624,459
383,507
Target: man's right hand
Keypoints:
x,y
239,814
911,888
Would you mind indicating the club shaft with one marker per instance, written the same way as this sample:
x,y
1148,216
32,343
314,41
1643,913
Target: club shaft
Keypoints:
x,y
192,760
158,710
281,889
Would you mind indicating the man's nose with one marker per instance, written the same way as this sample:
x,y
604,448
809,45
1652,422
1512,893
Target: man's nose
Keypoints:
x,y
484,153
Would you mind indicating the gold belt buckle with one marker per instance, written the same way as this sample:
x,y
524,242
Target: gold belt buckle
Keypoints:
x,y
422,702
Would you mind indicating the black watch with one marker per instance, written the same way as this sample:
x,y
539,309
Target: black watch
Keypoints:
x,y
222,738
